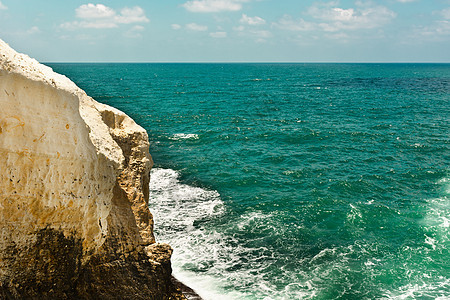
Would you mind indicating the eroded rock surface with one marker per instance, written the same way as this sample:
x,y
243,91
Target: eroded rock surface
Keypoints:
x,y
74,174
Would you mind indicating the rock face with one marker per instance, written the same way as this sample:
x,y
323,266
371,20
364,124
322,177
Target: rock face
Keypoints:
x,y
74,174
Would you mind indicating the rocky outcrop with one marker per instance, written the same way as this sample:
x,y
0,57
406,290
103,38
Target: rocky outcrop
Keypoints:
x,y
74,174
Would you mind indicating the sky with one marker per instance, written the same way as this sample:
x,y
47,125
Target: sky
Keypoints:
x,y
228,30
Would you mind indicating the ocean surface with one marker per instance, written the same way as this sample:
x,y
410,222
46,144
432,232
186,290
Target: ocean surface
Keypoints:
x,y
294,181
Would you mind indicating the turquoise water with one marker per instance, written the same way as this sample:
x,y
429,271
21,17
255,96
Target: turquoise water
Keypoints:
x,y
294,181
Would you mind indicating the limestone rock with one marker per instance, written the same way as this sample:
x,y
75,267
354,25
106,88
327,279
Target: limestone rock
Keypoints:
x,y
74,174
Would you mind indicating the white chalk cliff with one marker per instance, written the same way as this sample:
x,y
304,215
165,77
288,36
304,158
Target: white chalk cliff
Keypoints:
x,y
74,174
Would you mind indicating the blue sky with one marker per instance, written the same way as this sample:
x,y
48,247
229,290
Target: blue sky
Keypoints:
x,y
228,30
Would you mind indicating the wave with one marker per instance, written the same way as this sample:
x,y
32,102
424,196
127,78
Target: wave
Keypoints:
x,y
212,257
426,282
184,136
436,290
259,79
436,221
207,257
177,208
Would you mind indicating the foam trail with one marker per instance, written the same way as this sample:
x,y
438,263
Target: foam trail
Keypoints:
x,y
436,241
215,264
184,136
176,208
211,260
436,221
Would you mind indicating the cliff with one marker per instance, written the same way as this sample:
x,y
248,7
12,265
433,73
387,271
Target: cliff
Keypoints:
x,y
74,174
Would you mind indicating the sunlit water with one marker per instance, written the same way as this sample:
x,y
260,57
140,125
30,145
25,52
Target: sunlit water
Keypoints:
x,y
294,181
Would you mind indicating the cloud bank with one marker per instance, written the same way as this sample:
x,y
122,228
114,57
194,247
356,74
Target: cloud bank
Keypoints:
x,y
196,27
253,21
218,34
208,6
100,16
328,17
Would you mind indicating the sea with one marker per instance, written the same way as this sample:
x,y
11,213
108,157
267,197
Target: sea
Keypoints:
x,y
294,181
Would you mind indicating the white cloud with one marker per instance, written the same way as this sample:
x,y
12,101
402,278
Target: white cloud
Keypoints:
x,y
2,6
438,30
132,15
405,1
100,16
86,38
287,23
263,34
207,6
196,27
259,36
33,30
83,24
328,17
252,20
218,34
176,26
362,17
239,28
134,32
341,37
94,11
445,13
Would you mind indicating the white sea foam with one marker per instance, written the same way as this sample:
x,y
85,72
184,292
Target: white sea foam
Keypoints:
x,y
209,258
184,136
430,241
427,285
437,290
437,219
259,79
176,207
205,257
216,264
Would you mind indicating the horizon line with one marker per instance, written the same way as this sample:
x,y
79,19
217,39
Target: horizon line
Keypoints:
x,y
246,62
